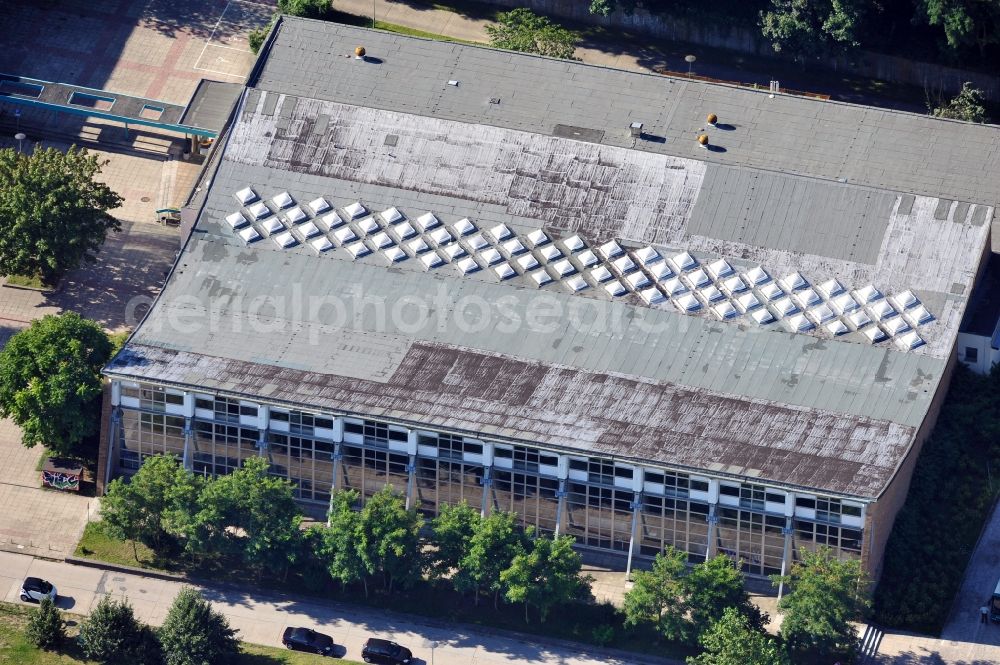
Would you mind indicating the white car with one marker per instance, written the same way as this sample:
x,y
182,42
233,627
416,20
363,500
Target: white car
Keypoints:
x,y
35,588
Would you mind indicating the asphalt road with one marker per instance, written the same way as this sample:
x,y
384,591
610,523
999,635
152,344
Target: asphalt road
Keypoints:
x,y
261,617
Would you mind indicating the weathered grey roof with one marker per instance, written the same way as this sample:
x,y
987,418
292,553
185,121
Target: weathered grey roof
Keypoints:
x,y
832,140
497,397
602,375
211,104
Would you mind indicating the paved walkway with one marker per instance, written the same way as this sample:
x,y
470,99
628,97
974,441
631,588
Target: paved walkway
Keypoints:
x,y
34,520
261,617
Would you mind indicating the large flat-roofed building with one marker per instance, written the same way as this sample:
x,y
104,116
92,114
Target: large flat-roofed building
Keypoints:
x,y
469,274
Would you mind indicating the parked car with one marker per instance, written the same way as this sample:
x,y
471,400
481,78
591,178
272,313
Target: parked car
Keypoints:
x,y
384,651
306,639
35,588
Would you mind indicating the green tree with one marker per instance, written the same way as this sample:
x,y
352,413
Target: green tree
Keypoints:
x,y
603,7
965,23
523,30
111,633
826,596
154,506
810,27
712,587
195,634
453,528
389,539
50,382
250,514
338,547
495,541
657,596
967,105
733,640
256,36
320,9
46,628
545,576
53,213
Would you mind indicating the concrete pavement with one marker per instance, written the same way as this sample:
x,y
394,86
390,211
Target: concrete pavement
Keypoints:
x,y
261,617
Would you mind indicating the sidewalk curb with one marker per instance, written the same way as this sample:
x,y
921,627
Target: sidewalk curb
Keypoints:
x,y
415,619
131,570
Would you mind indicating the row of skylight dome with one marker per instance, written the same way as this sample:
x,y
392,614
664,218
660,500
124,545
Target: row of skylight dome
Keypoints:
x,y
681,279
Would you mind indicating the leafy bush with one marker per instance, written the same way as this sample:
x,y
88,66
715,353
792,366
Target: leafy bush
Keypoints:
x,y
111,634
603,635
194,634
523,30
968,105
46,628
320,9
256,37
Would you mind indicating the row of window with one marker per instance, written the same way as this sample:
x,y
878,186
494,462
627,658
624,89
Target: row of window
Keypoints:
x,y
524,458
754,497
597,515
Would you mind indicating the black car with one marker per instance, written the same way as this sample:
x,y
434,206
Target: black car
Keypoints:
x,y
384,651
306,639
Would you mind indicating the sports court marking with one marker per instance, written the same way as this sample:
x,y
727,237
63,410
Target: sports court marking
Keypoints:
x,y
211,37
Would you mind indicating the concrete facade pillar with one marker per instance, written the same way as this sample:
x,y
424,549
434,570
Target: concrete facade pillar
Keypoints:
x,y
338,455
187,460
788,531
561,492
411,468
114,431
638,483
713,518
487,504
263,423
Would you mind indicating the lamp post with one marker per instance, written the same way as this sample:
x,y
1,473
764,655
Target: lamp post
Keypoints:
x,y
690,59
20,136
432,645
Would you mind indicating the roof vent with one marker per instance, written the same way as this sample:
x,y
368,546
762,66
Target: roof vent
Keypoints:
x,y
712,119
359,53
635,129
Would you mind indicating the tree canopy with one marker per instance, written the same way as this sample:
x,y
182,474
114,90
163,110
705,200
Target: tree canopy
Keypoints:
x,y
53,213
389,538
523,30
964,23
681,602
195,634
732,640
339,543
809,27
453,529
111,634
495,541
826,596
251,514
947,31
152,507
546,575
50,382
